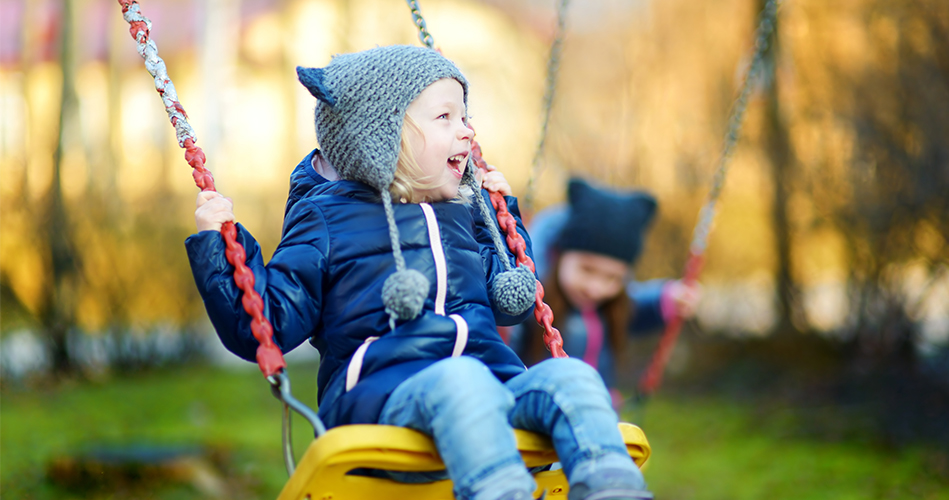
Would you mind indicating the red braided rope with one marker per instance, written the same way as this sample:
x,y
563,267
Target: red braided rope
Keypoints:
x,y
269,357
508,224
652,377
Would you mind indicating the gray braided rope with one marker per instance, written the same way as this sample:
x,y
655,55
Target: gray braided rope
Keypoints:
x,y
707,215
156,67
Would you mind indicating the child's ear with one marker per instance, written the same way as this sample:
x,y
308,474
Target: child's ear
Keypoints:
x,y
312,79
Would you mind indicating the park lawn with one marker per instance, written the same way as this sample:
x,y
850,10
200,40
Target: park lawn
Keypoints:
x,y
227,410
711,448
703,448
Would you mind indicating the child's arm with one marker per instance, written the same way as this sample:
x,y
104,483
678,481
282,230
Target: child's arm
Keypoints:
x,y
290,285
658,301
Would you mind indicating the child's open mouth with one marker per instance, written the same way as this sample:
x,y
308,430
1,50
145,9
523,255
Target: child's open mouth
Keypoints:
x,y
457,163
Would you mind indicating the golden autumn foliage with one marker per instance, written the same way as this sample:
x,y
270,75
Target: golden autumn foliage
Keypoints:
x,y
643,95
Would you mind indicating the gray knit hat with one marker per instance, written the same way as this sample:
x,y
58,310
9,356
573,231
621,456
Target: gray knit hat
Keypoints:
x,y
361,103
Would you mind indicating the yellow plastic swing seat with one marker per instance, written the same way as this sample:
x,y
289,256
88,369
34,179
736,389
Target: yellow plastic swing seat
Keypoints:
x,y
321,473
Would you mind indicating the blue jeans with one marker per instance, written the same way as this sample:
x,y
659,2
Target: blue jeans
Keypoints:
x,y
471,416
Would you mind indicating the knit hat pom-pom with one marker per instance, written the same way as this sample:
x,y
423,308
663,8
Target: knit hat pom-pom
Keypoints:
x,y
514,290
404,294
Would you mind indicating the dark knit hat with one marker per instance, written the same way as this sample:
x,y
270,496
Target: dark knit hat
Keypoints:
x,y
606,221
361,103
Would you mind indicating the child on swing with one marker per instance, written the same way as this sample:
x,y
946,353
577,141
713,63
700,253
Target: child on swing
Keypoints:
x,y
390,265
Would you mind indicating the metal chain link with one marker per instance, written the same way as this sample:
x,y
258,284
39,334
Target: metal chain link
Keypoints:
x,y
419,21
553,66
269,356
735,120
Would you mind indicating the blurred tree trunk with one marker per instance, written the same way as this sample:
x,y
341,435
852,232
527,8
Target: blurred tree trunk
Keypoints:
x,y
117,39
779,155
888,197
57,314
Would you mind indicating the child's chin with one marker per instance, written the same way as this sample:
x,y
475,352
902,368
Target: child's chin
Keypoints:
x,y
452,190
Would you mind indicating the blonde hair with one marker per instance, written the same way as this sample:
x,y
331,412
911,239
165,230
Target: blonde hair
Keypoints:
x,y
409,177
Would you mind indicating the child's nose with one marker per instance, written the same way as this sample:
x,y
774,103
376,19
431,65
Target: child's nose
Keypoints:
x,y
465,133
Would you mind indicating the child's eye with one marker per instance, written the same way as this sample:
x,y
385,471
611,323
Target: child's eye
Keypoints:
x,y
443,115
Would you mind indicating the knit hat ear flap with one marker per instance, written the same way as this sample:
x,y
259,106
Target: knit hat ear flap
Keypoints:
x,y
514,289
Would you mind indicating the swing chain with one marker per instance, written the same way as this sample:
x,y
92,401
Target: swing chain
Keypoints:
x,y
735,120
506,222
553,66
419,21
652,377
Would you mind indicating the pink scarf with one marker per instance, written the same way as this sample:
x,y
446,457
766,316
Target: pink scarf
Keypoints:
x,y
591,320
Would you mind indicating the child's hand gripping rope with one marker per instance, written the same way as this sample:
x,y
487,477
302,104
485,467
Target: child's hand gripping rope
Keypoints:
x,y
213,210
493,180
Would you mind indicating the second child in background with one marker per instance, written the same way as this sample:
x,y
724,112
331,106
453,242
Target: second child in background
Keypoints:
x,y
584,252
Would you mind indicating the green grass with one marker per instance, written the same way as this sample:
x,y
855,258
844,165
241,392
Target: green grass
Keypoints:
x,y
714,449
229,411
702,448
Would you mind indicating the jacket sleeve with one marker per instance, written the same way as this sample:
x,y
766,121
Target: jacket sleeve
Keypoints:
x,y
647,312
290,284
489,255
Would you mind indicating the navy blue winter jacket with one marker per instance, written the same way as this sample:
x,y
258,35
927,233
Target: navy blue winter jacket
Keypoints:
x,y
324,284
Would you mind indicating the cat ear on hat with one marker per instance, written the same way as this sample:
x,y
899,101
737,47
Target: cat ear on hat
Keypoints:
x,y
605,221
644,206
578,191
312,79
584,197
